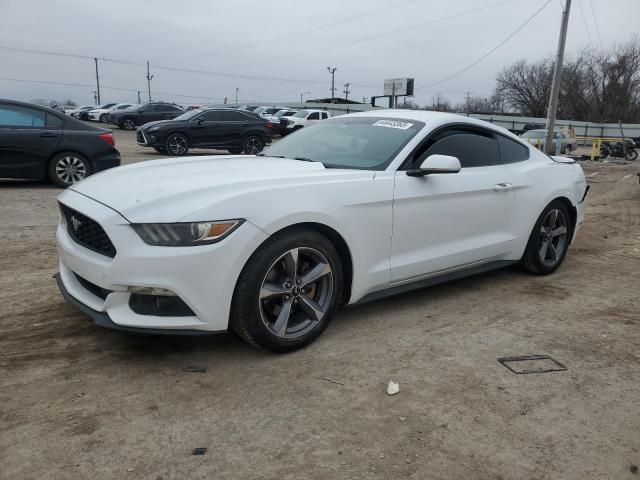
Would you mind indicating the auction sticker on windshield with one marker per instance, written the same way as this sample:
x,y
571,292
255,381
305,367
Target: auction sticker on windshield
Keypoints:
x,y
393,124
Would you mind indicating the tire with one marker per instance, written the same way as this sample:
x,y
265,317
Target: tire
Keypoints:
x,y
160,149
567,150
252,144
103,118
604,153
127,124
177,144
67,168
266,291
235,151
549,240
632,155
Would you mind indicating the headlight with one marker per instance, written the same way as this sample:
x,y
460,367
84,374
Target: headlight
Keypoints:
x,y
185,234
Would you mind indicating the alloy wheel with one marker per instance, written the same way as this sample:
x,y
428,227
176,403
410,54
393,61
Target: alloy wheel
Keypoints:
x,y
296,293
553,237
70,169
252,146
129,124
177,145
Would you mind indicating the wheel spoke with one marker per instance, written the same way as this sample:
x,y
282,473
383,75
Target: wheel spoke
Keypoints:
x,y
280,325
543,249
553,251
272,290
315,273
553,218
559,231
311,308
291,264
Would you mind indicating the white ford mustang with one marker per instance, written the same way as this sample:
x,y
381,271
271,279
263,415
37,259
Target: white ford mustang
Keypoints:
x,y
351,209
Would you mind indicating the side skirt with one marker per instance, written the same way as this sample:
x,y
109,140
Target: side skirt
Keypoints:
x,y
435,280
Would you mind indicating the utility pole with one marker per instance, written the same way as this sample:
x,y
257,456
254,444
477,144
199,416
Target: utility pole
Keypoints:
x,y
304,93
467,98
139,100
346,91
97,80
332,71
149,78
236,95
95,97
557,78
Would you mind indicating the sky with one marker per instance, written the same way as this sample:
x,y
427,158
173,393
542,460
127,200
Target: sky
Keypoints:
x,y
276,51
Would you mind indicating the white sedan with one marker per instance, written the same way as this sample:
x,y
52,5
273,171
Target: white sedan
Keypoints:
x,y
348,210
101,113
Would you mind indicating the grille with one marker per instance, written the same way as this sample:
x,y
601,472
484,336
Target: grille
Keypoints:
x,y
87,232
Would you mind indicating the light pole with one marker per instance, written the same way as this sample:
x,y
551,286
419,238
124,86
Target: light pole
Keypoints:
x,y
236,95
346,91
149,78
97,80
332,71
304,93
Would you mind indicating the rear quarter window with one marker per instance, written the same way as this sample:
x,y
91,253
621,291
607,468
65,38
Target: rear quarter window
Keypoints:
x,y
512,151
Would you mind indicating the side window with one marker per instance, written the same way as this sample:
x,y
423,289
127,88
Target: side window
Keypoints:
x,y
53,122
233,117
210,116
17,116
512,151
472,149
171,108
314,116
325,115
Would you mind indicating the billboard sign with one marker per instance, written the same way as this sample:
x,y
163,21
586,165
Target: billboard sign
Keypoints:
x,y
403,86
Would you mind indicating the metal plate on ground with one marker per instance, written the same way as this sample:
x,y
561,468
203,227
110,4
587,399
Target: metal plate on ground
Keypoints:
x,y
532,364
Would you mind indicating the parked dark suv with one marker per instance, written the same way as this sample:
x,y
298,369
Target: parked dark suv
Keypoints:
x,y
225,128
38,142
137,115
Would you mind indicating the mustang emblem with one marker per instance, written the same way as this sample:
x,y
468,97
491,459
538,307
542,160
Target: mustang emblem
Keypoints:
x,y
75,223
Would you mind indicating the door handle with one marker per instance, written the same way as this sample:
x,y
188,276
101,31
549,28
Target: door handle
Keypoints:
x,y
48,135
500,187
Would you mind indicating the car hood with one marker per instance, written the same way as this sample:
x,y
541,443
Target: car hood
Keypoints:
x,y
159,122
176,189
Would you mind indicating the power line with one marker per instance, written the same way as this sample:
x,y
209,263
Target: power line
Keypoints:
x,y
88,85
381,35
313,29
584,21
170,68
595,21
473,64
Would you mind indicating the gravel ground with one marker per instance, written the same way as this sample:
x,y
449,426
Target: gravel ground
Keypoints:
x,y
77,401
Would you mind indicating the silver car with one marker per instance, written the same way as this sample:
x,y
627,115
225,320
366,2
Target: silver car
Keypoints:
x,y
536,137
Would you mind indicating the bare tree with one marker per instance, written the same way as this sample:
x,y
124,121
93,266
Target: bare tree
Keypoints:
x,y
525,87
440,104
488,105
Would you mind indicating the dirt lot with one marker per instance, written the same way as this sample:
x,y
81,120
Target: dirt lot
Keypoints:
x,y
77,401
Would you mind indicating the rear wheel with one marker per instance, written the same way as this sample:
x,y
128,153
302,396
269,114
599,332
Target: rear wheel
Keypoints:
x,y
68,168
549,240
252,144
287,293
127,124
567,150
177,144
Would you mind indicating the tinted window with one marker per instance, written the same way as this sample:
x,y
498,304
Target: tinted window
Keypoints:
x,y
325,115
53,122
211,116
512,151
473,150
233,117
17,116
314,116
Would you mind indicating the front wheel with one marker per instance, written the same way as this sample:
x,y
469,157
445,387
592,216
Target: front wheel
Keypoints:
x,y
632,155
549,240
68,168
103,118
567,150
287,292
177,144
252,145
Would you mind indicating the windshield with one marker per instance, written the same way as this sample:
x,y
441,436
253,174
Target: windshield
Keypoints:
x,y
188,115
301,114
134,107
368,143
280,113
259,109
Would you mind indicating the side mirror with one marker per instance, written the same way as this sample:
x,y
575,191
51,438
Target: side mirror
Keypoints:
x,y
436,164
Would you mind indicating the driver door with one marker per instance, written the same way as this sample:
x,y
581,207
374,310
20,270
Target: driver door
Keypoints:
x,y
447,221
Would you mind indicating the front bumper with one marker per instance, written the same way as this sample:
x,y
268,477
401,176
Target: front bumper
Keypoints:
x,y
203,277
146,139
